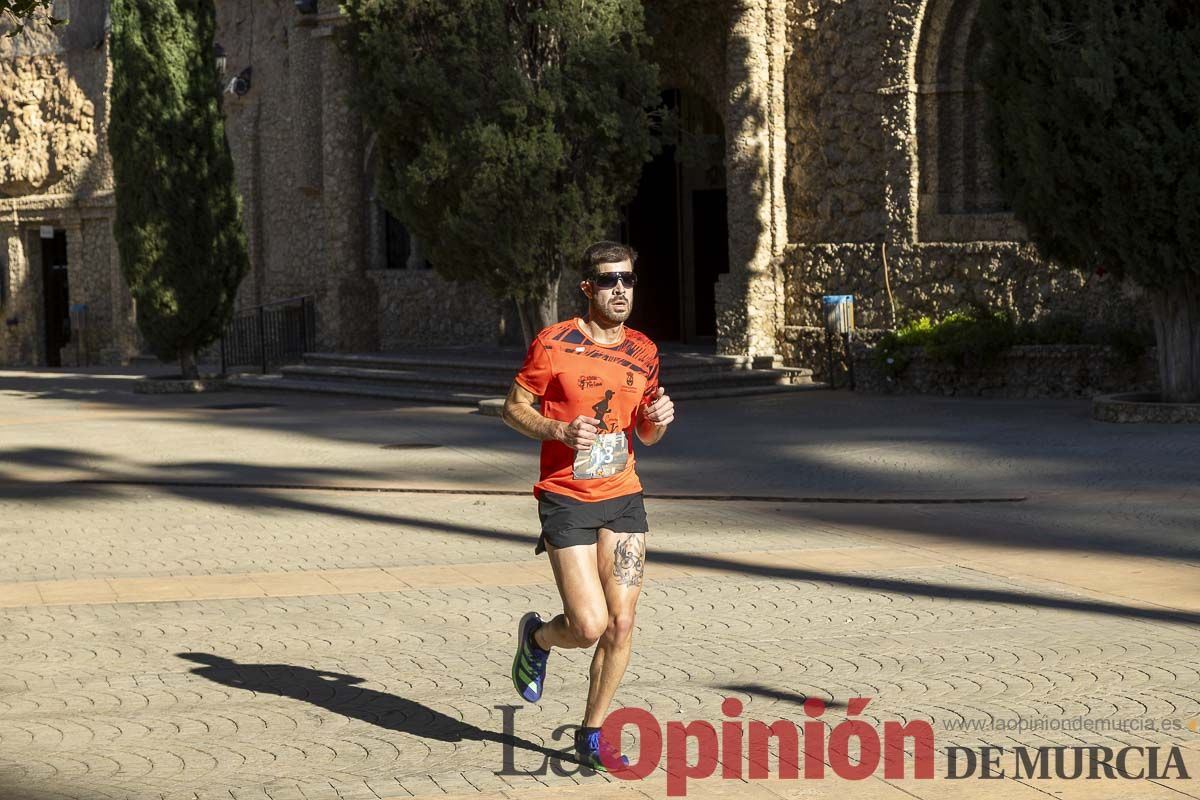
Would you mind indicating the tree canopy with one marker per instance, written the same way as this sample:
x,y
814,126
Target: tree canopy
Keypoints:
x,y
509,132
178,212
1095,105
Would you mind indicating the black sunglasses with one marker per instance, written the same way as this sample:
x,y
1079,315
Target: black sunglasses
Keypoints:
x,y
608,280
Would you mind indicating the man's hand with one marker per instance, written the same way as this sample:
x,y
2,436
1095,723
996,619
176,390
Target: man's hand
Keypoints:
x,y
660,411
580,432
656,416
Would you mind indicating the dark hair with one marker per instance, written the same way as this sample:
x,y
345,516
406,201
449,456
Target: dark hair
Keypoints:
x,y
606,253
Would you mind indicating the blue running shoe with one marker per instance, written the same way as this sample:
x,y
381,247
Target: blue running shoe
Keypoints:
x,y
529,664
589,747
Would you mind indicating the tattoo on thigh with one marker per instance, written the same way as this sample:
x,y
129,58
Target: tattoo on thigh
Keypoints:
x,y
629,559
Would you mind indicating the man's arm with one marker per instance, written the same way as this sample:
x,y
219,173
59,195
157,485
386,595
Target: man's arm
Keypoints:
x,y
520,415
655,417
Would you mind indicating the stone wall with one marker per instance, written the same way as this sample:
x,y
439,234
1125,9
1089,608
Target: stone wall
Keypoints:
x,y
305,167
887,161
19,335
53,108
808,345
885,125
109,336
848,126
55,172
47,127
275,134
689,41
94,279
933,279
419,307
1023,371
845,116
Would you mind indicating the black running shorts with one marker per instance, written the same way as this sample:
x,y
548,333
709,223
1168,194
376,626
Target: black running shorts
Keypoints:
x,y
567,522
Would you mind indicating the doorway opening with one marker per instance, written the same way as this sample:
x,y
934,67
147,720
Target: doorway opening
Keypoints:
x,y
677,222
56,295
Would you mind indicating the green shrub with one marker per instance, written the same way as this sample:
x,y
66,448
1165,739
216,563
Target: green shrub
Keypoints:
x,y
960,338
977,337
1058,328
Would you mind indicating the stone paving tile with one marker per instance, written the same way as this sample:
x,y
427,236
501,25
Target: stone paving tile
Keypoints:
x,y
354,689
498,574
206,533
191,642
20,595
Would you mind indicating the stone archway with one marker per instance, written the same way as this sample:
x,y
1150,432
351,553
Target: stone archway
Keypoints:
x,y
678,224
389,243
958,196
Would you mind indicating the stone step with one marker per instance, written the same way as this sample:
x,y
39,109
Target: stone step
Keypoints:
x,y
489,383
415,363
450,396
796,375
504,362
411,393
493,383
493,406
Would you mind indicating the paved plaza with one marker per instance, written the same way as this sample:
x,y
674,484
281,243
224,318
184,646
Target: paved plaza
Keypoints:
x,y
252,595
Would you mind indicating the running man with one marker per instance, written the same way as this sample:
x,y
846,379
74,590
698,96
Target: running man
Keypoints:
x,y
589,496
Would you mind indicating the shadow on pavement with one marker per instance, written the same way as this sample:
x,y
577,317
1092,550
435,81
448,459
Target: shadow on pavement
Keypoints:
x,y
811,444
342,694
1126,528
305,503
762,690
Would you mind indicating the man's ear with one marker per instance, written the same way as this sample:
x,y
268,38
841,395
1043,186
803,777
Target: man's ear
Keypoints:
x,y
585,287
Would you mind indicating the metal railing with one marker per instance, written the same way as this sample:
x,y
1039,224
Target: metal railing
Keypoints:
x,y
270,335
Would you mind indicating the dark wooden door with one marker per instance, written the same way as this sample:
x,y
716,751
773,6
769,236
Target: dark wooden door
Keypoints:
x,y
710,237
57,296
652,229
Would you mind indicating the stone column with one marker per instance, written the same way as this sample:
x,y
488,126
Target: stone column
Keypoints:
x,y
749,297
123,338
28,290
79,290
13,341
349,310
304,95
898,107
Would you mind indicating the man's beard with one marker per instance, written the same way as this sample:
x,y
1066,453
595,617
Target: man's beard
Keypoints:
x,y
609,314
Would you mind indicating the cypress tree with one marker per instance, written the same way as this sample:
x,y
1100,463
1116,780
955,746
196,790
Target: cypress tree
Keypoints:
x,y
1095,111
178,218
510,132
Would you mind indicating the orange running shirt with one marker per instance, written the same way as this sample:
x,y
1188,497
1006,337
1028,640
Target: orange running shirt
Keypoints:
x,y
575,375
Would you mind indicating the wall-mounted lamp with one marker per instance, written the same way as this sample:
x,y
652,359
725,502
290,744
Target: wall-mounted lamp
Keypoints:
x,y
240,85
219,59
306,6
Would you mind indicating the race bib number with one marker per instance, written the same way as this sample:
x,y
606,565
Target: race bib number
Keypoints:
x,y
608,456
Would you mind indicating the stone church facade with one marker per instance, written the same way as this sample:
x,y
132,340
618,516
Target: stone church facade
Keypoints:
x,y
844,154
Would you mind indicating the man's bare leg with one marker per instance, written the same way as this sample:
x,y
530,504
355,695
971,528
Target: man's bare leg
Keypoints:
x,y
585,613
621,559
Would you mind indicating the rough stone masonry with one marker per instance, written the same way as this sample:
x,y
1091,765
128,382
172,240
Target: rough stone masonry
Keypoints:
x,y
854,162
